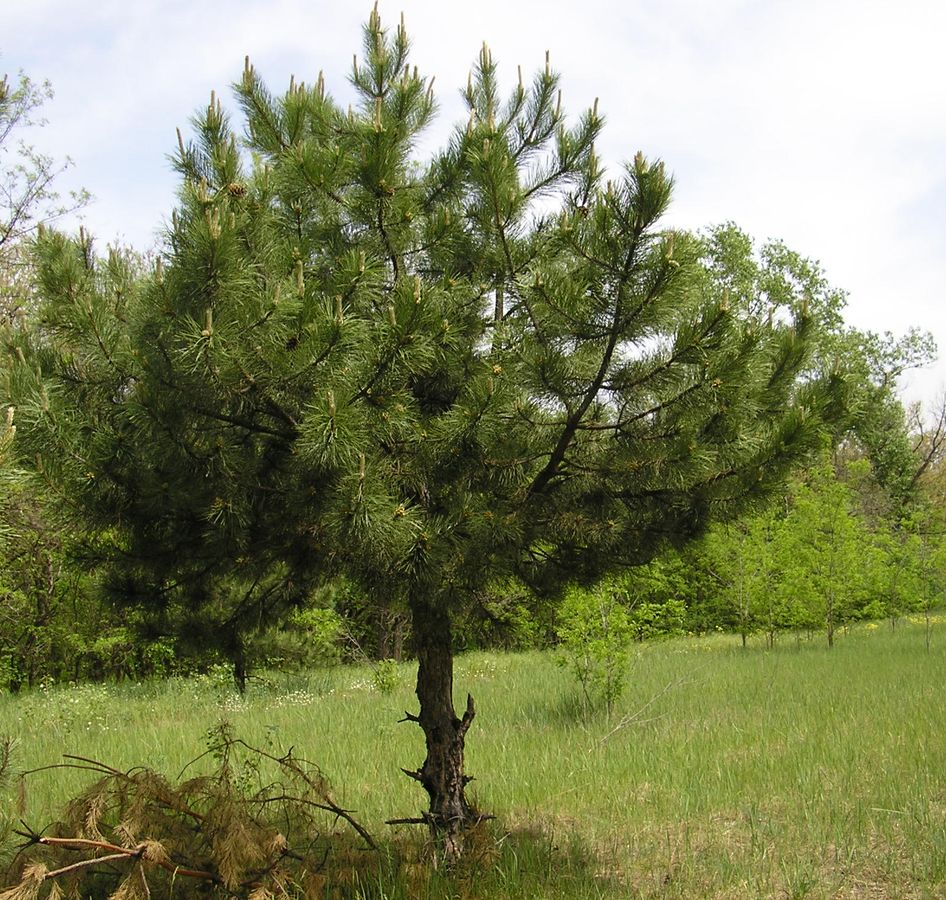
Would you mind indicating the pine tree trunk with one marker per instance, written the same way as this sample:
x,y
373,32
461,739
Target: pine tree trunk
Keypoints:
x,y
442,774
236,650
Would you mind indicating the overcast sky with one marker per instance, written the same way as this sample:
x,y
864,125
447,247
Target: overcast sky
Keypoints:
x,y
820,122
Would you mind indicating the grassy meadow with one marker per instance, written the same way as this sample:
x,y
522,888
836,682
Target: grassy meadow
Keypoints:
x,y
724,772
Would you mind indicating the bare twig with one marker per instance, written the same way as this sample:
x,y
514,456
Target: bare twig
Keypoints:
x,y
117,853
635,717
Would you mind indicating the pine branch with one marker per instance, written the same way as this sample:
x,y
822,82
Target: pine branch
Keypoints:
x,y
117,853
571,426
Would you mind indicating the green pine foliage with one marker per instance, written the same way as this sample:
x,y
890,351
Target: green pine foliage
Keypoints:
x,y
421,373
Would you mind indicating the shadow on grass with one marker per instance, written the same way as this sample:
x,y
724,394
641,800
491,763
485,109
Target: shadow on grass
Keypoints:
x,y
523,863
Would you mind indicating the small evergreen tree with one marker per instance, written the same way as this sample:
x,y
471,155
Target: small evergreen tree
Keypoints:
x,y
426,375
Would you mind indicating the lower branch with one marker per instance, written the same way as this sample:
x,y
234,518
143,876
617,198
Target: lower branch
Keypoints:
x,y
149,851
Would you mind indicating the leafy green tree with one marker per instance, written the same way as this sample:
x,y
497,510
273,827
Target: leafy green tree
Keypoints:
x,y
427,377
829,546
36,583
772,281
28,197
898,584
746,561
880,425
656,596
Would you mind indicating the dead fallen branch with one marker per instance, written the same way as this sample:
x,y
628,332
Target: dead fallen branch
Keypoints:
x,y
254,826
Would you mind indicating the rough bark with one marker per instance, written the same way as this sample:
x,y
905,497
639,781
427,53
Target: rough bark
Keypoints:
x,y
442,776
236,650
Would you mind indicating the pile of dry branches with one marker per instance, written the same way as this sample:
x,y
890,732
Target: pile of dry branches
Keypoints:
x,y
257,826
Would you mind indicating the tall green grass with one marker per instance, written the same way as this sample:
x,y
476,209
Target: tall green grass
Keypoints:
x,y
724,772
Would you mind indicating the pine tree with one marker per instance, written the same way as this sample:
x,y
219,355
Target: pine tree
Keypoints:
x,y
424,375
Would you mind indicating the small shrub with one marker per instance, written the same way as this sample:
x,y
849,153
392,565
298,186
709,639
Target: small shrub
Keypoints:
x,y
595,631
385,676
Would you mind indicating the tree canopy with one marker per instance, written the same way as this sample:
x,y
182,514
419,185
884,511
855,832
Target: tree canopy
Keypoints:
x,y
420,373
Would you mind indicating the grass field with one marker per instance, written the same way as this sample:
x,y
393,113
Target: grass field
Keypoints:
x,y
723,773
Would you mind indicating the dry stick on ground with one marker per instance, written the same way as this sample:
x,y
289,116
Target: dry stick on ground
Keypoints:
x,y
150,851
632,718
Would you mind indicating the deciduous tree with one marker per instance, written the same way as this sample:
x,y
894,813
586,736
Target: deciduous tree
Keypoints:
x,y
28,197
830,547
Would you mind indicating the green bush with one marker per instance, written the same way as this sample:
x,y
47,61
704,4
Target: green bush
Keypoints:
x,y
659,620
595,632
385,676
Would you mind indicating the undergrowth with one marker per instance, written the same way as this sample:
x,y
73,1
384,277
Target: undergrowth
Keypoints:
x,y
722,772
